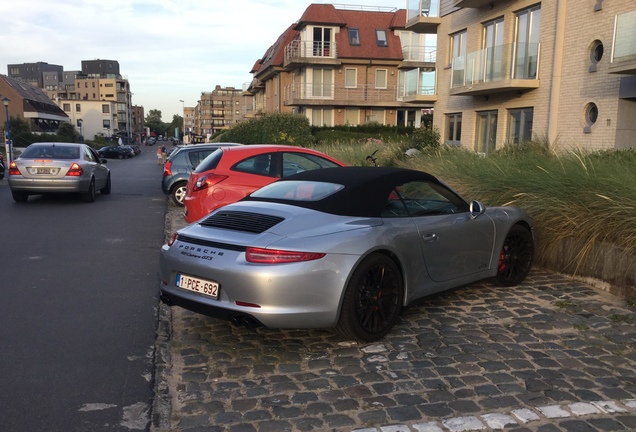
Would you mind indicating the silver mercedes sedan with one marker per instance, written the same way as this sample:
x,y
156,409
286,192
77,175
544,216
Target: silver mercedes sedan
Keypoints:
x,y
56,167
343,248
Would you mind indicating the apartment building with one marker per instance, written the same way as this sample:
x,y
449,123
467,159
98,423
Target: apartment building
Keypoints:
x,y
98,80
91,117
348,65
513,70
218,110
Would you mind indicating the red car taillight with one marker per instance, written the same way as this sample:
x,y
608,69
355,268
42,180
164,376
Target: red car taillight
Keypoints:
x,y
75,170
13,169
167,169
206,181
272,256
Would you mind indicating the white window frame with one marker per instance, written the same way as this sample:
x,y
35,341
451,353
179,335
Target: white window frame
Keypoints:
x,y
348,83
380,85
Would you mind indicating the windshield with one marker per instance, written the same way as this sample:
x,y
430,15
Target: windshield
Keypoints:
x,y
51,151
297,190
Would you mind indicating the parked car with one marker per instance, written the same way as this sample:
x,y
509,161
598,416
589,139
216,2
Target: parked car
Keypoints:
x,y
48,167
231,173
136,149
114,152
151,141
128,150
180,164
343,248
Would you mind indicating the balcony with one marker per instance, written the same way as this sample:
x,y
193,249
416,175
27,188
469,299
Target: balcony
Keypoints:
x,y
418,56
302,53
423,16
475,4
504,68
331,95
624,47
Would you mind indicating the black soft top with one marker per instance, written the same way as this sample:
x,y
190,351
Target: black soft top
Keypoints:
x,y
365,192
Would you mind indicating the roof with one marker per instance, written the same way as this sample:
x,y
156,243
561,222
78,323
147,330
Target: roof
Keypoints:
x,y
365,191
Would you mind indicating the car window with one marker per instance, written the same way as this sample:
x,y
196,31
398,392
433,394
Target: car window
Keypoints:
x,y
422,198
260,165
51,152
210,162
294,163
88,155
197,156
297,190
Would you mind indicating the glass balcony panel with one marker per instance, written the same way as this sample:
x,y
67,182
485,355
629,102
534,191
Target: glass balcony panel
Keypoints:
x,y
625,42
419,53
422,8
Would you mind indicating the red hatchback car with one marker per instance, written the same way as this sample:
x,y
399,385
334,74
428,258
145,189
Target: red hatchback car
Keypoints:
x,y
231,173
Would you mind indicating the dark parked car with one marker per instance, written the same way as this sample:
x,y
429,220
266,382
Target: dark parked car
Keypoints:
x,y
136,149
114,152
129,150
182,161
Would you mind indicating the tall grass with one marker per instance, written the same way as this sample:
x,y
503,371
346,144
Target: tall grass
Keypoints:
x,y
570,195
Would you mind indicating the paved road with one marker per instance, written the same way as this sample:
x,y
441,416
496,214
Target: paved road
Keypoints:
x,y
78,311
553,354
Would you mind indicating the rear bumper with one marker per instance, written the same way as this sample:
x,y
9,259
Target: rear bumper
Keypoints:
x,y
47,186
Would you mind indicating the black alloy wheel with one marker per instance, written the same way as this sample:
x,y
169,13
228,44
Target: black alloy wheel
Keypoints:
x,y
516,257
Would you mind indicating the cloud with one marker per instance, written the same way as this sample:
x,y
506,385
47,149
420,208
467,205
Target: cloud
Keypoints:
x,y
170,50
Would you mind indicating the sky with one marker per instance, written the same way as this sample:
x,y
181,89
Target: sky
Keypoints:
x,y
169,50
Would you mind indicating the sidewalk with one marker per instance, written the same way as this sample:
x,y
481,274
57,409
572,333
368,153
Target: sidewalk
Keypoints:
x,y
552,354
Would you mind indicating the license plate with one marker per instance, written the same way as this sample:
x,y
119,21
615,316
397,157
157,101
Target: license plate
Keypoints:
x,y
43,170
201,286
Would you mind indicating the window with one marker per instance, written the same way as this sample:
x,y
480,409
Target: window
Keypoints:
x,y
380,78
380,36
294,163
259,165
322,41
106,124
322,117
352,116
350,77
78,107
520,125
422,199
527,43
376,116
453,129
67,107
596,54
105,108
354,36
322,83
486,132
591,116
493,50
457,46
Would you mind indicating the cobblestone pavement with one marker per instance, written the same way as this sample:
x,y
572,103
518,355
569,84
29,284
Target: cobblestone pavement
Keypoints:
x,y
553,354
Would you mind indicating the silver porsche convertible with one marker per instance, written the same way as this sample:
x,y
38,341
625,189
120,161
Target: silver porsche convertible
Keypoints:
x,y
343,248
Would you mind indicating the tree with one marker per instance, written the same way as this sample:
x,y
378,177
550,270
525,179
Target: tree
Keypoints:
x,y
153,121
67,132
177,122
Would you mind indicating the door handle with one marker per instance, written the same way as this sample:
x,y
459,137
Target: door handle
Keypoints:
x,y
430,238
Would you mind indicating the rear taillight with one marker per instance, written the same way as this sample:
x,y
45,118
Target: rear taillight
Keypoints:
x,y
173,238
75,170
13,169
166,169
207,180
273,256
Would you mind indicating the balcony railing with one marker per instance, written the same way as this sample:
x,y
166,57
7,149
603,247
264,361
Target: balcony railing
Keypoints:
x,y
419,53
422,8
331,94
304,51
504,62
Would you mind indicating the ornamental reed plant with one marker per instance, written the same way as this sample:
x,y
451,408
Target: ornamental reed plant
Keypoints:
x,y
589,197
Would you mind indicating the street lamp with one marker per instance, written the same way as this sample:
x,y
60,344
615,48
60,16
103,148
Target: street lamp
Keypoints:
x,y
183,118
79,122
6,101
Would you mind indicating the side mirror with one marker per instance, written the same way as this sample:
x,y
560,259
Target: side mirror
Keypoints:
x,y
476,208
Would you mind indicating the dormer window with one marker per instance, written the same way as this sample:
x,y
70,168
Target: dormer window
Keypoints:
x,y
354,36
380,35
